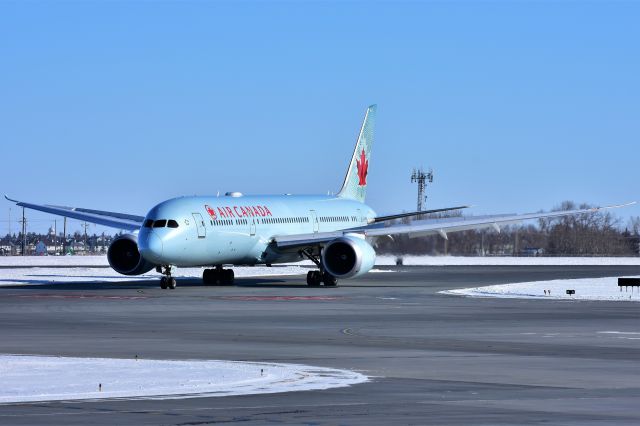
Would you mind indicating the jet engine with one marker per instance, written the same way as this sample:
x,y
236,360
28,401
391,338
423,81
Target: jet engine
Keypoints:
x,y
348,257
124,257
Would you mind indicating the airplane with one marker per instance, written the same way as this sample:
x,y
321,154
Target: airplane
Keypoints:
x,y
333,231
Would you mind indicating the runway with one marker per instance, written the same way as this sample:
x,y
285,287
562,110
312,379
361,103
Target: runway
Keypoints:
x,y
433,358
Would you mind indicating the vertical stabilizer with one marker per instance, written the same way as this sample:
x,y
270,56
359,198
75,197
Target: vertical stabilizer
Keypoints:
x,y
355,182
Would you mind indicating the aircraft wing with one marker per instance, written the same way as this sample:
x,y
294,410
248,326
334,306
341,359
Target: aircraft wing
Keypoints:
x,y
110,219
420,213
422,228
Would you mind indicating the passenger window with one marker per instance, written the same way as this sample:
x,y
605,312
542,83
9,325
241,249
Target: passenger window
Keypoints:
x,y
160,223
148,223
172,223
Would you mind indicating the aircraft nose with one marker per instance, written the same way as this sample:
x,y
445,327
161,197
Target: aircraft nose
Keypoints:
x,y
150,247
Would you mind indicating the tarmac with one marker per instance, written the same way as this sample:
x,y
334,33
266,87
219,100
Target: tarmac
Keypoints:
x,y
432,358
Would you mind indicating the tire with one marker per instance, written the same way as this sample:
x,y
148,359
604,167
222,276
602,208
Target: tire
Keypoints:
x,y
314,278
227,277
209,277
171,283
329,280
163,283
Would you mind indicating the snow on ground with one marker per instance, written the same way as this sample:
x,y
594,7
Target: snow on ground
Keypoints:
x,y
585,288
47,378
15,270
53,261
49,275
506,261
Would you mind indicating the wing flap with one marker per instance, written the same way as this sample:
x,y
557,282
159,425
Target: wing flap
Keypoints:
x,y
420,213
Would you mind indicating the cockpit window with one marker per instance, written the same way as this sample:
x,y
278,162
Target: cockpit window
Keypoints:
x,y
172,223
148,223
160,223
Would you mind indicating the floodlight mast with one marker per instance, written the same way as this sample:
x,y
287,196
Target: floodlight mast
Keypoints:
x,y
421,178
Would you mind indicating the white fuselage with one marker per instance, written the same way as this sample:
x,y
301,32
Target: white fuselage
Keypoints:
x,y
208,231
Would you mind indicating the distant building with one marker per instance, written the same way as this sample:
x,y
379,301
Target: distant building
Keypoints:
x,y
41,249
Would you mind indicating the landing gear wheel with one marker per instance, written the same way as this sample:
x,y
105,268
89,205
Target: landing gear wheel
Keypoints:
x,y
314,278
171,283
227,277
210,277
329,280
167,281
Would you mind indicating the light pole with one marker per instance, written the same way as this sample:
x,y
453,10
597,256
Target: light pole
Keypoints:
x,y
85,226
24,233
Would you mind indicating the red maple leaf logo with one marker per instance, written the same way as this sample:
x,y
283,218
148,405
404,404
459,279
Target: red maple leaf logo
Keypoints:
x,y
363,168
211,211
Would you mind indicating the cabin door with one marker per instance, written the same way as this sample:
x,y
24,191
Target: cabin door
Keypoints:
x,y
202,230
314,220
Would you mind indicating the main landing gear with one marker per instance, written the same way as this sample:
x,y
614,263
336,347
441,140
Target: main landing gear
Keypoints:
x,y
218,276
167,281
315,278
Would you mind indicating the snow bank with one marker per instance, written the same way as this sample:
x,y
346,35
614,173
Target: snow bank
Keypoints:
x,y
585,289
44,378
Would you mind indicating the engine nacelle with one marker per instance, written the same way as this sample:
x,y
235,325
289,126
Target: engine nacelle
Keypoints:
x,y
348,257
124,257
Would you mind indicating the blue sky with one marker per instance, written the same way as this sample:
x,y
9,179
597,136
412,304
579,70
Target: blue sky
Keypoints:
x,y
517,106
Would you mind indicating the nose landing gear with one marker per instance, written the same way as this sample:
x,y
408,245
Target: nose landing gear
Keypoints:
x,y
218,276
167,281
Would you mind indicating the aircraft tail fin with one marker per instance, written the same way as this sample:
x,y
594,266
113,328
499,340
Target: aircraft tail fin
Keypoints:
x,y
355,181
